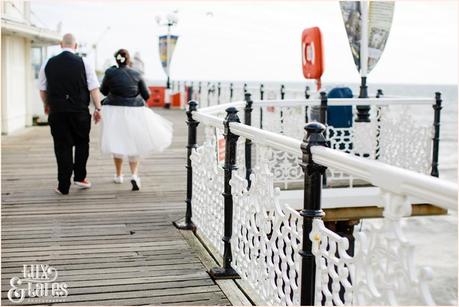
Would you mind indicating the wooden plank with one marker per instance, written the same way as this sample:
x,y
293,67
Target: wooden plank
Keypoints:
x,y
110,245
344,214
229,287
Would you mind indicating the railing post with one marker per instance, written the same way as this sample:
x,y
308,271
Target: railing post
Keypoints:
x,y
190,92
218,92
436,139
231,91
323,119
227,272
248,142
282,96
379,94
192,133
262,94
363,112
323,108
311,208
208,93
307,94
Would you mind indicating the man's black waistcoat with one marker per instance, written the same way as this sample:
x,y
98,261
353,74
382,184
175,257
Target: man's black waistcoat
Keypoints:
x,y
66,83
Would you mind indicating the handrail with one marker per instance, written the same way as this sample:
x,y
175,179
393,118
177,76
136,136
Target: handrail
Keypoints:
x,y
208,119
343,101
222,107
391,178
271,139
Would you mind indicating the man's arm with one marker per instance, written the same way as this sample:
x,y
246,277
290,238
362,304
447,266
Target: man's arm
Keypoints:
x,y
96,100
93,87
42,85
44,98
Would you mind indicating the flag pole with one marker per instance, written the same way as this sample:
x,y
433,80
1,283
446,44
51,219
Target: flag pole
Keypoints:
x,y
364,49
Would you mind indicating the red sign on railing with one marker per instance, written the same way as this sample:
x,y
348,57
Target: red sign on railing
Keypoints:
x,y
221,149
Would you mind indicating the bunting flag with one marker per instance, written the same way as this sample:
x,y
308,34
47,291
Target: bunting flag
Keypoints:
x,y
163,56
367,45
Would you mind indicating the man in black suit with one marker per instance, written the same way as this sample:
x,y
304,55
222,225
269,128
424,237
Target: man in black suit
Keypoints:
x,y
67,84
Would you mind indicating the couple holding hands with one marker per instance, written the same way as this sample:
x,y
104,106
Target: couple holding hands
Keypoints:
x,y
129,129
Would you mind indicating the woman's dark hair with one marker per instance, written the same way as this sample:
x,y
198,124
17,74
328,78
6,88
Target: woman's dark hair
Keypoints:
x,y
122,57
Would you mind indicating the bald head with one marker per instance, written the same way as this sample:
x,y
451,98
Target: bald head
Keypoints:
x,y
68,41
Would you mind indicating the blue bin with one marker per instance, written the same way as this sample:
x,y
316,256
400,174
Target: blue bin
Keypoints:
x,y
340,116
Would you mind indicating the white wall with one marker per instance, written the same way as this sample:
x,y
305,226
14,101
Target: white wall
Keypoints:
x,y
17,10
16,74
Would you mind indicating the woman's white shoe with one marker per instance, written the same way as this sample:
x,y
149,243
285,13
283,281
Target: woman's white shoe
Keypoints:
x,y
135,181
118,179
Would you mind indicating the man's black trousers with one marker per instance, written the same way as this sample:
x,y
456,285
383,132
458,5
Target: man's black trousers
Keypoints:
x,y
70,129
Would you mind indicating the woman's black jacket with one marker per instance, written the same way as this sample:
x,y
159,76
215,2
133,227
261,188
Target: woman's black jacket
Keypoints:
x,y
124,87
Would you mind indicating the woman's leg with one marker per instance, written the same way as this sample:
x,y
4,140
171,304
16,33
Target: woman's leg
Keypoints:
x,y
118,164
134,165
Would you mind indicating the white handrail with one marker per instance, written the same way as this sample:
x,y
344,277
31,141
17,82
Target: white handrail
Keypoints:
x,y
222,107
208,119
394,179
271,139
343,101
315,102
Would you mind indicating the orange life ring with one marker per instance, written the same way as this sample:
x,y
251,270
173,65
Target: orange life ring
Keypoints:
x,y
312,53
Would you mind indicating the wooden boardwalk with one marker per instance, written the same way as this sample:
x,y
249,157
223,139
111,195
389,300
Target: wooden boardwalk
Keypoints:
x,y
110,245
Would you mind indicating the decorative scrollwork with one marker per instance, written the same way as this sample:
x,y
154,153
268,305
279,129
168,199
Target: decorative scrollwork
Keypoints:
x,y
266,236
207,191
383,270
404,142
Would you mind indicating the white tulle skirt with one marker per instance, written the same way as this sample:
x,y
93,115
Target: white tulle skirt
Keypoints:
x,y
133,131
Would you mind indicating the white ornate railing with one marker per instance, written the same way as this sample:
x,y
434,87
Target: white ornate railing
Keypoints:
x,y
208,189
392,135
267,232
266,236
383,271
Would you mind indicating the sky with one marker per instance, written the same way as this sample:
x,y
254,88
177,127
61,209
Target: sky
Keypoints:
x,y
261,40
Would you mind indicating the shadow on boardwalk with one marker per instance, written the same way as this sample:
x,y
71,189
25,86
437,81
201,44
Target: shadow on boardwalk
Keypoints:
x,y
110,245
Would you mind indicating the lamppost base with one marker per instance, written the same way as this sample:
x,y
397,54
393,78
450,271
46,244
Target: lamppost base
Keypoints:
x,y
222,273
184,226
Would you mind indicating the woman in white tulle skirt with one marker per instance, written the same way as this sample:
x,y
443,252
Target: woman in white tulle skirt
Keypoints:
x,y
129,128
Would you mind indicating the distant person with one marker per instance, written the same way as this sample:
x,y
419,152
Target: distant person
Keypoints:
x,y
67,83
128,127
138,64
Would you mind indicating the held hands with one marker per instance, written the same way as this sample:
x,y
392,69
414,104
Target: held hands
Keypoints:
x,y
97,116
